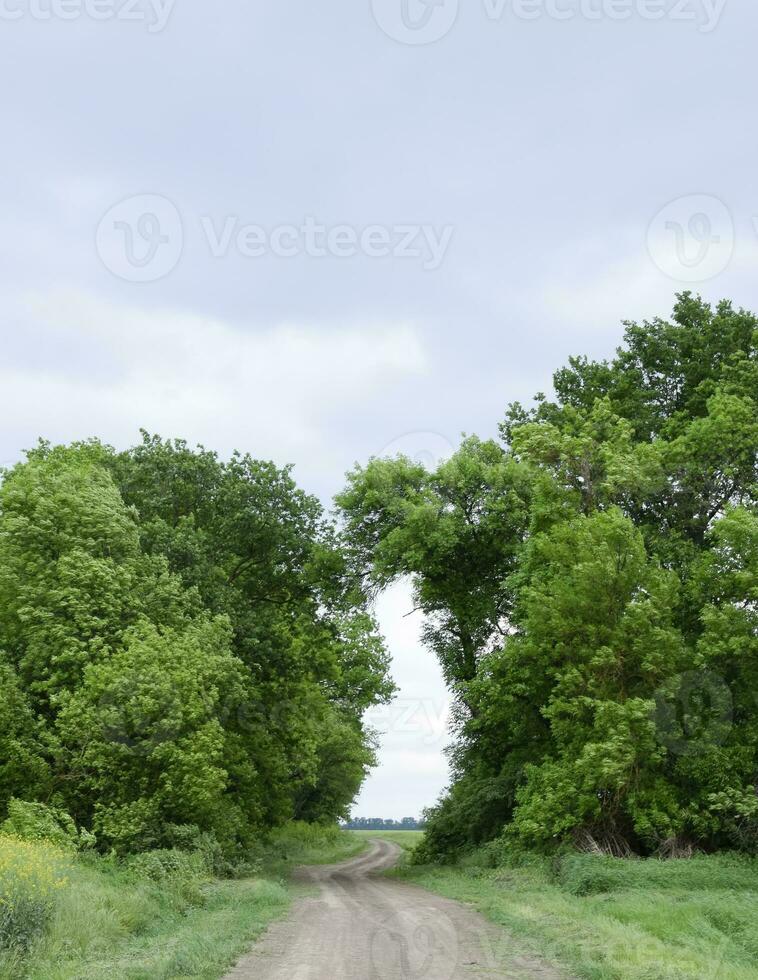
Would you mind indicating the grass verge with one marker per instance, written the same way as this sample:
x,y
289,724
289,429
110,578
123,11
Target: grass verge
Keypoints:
x,y
607,919
107,921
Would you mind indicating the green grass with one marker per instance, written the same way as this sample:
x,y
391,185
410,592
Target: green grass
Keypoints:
x,y
603,919
407,839
607,919
300,843
108,922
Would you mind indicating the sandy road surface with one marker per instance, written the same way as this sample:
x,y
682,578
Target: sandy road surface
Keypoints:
x,y
364,927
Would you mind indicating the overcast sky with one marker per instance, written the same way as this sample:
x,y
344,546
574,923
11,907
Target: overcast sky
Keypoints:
x,y
319,232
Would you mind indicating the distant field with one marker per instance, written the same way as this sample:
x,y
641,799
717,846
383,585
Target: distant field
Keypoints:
x,y
407,839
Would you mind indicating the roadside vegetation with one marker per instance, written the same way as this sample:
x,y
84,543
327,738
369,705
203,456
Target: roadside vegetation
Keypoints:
x,y
606,918
590,587
182,647
185,662
162,915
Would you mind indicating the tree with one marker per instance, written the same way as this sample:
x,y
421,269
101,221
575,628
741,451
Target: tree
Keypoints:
x,y
183,644
456,532
146,743
588,588
259,551
24,745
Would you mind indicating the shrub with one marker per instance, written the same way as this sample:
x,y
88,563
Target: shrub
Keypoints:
x,y
189,837
39,822
182,871
168,863
299,841
30,875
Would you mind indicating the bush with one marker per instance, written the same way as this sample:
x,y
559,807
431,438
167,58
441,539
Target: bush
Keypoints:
x,y
30,875
168,863
189,837
297,843
182,871
39,822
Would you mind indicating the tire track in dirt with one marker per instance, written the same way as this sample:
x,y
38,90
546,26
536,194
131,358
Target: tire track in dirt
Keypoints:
x,y
364,927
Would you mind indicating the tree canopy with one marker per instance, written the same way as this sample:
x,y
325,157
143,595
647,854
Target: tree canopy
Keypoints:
x,y
181,644
590,585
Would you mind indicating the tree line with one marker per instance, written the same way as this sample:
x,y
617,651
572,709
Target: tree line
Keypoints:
x,y
380,823
187,645
590,587
183,647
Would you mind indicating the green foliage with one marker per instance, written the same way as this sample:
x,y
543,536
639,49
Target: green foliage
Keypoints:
x,y
68,563
184,871
297,843
456,531
144,918
258,551
24,743
590,588
584,874
183,644
40,822
144,738
597,638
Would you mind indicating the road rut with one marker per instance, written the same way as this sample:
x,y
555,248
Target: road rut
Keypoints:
x,y
364,927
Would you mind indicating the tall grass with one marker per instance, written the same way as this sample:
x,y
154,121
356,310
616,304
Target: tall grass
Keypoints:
x,y
158,916
30,876
614,919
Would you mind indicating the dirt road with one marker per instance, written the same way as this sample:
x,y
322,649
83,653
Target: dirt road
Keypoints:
x,y
364,927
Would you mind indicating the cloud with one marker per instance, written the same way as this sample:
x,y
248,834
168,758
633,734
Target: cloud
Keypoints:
x,y
79,366
627,283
